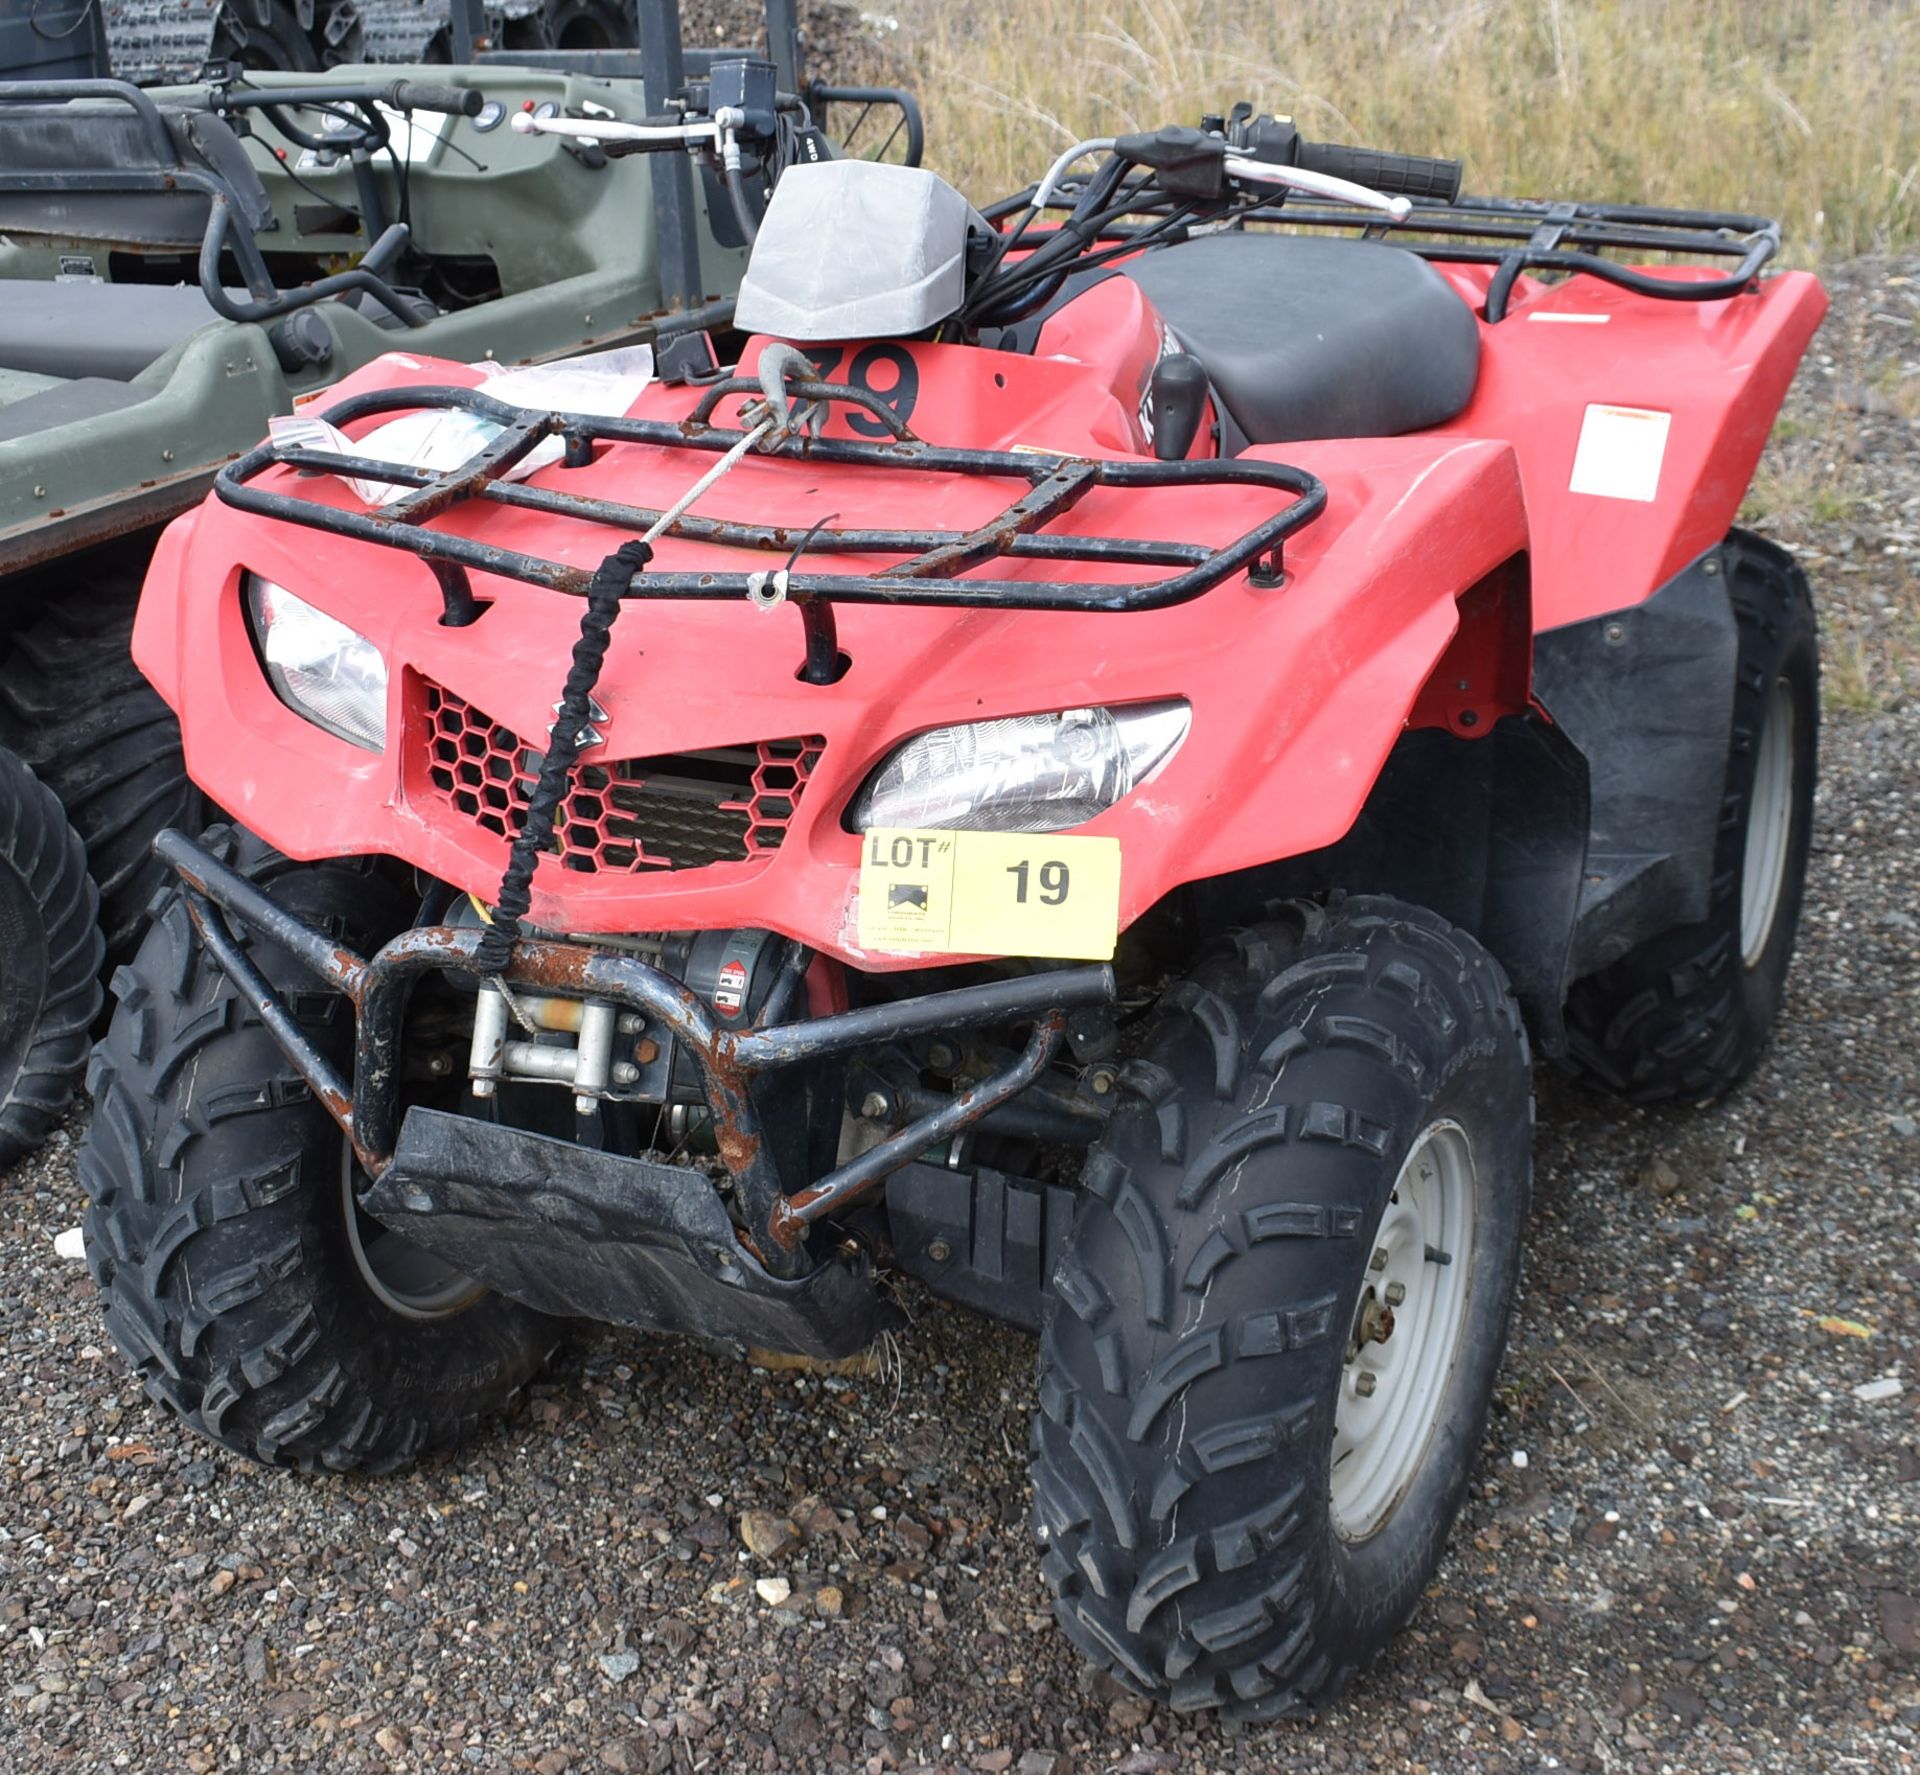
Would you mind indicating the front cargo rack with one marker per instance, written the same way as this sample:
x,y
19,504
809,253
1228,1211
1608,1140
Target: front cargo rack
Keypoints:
x,y
1518,235
936,568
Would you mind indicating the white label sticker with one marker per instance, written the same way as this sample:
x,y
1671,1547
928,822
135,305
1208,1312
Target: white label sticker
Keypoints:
x,y
1571,320
1621,450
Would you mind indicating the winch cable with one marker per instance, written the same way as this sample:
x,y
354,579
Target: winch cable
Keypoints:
x,y
610,584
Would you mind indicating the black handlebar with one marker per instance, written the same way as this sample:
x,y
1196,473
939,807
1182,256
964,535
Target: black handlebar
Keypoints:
x,y
421,95
1399,175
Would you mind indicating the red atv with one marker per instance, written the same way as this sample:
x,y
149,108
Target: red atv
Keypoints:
x,y
1337,647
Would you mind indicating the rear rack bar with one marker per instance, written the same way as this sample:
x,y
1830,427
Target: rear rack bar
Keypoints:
x,y
1570,237
1524,234
938,564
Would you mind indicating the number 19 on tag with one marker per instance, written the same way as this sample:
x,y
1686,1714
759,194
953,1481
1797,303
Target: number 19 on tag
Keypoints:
x,y
1056,880
1027,893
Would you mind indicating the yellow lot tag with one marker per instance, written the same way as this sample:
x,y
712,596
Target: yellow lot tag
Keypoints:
x,y
989,893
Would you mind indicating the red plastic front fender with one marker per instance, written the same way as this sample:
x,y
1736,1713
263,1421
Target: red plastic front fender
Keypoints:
x,y
1298,693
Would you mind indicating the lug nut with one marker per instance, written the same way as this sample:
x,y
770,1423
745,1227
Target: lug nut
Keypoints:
x,y
1396,1293
630,1023
1379,1259
1364,1383
625,1073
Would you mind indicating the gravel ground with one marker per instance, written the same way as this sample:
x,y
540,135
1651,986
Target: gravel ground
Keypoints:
x,y
1691,1545
840,42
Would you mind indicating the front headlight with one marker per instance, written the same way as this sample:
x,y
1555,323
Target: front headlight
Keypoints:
x,y
319,667
1028,773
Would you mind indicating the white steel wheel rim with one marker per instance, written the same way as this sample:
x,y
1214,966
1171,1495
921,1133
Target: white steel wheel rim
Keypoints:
x,y
403,1277
1420,1271
1763,866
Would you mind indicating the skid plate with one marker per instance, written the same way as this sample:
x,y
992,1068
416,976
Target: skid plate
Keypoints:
x,y
591,1235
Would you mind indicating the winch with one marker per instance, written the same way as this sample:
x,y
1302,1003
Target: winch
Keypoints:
x,y
602,1051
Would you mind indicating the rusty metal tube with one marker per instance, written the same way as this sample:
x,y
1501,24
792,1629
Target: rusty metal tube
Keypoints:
x,y
792,1215
335,963
964,1007
239,967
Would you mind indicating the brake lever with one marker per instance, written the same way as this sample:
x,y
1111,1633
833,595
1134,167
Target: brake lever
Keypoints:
x,y
612,133
1296,178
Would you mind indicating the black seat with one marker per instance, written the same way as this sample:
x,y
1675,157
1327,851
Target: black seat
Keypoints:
x,y
1315,338
67,403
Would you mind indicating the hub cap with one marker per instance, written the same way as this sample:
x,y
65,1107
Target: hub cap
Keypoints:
x,y
1763,869
1407,1332
405,1279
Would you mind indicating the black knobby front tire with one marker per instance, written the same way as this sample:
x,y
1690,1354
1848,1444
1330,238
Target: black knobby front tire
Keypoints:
x,y
1688,1013
49,960
75,706
219,1231
1193,1366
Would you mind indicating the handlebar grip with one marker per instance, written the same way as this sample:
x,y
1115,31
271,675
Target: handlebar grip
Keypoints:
x,y
1399,175
419,95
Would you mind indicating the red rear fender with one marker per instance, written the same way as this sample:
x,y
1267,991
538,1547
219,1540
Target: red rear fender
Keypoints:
x,y
1637,424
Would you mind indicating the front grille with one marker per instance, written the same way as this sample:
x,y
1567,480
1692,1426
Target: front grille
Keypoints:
x,y
682,811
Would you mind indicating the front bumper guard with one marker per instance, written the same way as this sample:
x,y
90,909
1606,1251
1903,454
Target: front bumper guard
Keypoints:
x,y
503,1169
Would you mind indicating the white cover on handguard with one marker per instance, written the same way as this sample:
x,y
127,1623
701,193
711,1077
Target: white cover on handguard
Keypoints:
x,y
856,249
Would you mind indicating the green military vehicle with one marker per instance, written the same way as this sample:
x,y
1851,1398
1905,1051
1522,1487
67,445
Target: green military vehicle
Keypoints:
x,y
180,264
160,40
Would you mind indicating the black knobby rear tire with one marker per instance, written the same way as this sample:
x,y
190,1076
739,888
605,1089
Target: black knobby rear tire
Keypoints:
x,y
1688,1013
590,24
49,960
1193,1366
263,34
218,1229
76,707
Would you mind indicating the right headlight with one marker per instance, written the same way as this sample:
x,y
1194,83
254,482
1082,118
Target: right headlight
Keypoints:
x,y
318,667
1026,773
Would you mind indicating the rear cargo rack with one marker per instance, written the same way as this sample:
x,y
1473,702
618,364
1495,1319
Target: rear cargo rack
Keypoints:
x,y
936,567
1521,234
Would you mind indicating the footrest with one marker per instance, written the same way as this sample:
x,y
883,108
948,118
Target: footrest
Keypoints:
x,y
980,1237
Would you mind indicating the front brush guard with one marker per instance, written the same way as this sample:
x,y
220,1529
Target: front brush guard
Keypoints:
x,y
776,1219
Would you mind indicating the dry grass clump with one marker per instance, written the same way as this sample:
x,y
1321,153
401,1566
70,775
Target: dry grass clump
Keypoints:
x,y
1806,109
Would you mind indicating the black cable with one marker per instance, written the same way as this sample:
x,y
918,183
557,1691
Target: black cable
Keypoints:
x,y
992,298
40,30
610,584
403,170
1022,288
742,208
286,166
1012,286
